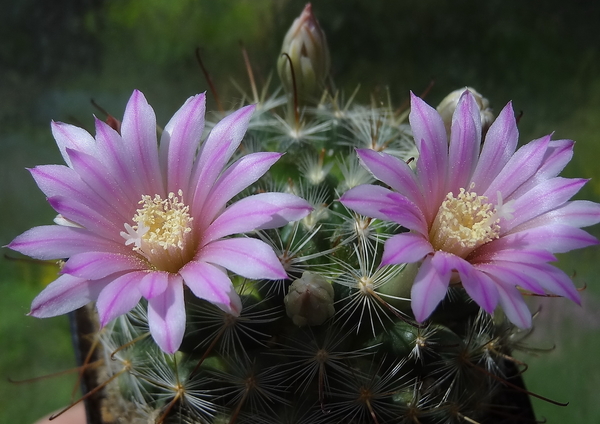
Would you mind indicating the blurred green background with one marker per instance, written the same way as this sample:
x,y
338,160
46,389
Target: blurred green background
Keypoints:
x,y
56,56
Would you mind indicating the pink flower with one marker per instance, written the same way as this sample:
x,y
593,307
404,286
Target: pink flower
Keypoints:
x,y
138,221
491,219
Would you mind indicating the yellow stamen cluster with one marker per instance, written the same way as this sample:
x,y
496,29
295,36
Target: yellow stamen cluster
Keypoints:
x,y
162,232
464,223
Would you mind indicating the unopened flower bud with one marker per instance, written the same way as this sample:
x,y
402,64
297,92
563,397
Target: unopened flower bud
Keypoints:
x,y
306,47
447,107
309,300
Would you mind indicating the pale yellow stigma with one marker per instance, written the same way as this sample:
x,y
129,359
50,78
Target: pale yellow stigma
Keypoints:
x,y
464,223
162,232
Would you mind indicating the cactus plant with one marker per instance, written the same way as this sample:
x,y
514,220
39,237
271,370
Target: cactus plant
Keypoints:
x,y
378,273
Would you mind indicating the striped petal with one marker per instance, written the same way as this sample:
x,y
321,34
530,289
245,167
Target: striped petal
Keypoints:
x,y
180,141
250,258
405,248
119,297
63,295
212,284
166,316
60,242
465,139
429,288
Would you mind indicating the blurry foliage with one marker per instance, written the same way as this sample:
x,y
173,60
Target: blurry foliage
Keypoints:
x,y
45,38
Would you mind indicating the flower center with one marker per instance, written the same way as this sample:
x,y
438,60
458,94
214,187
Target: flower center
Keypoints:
x,y
464,223
163,231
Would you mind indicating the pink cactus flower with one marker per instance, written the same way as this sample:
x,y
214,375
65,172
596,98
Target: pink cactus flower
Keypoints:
x,y
484,216
138,220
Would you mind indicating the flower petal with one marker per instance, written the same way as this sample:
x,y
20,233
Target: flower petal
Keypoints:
x,y
499,145
550,278
180,140
216,151
393,172
72,137
154,284
520,168
465,139
247,257
93,220
113,153
119,296
379,202
555,238
513,255
578,213
558,154
544,197
260,211
481,288
431,140
429,288
63,295
405,248
513,305
510,273
166,316
102,182
211,283
95,265
236,178
59,242
63,182
139,133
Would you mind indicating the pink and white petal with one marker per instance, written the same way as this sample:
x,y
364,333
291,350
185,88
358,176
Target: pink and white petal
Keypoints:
x,y
481,288
119,296
260,211
558,154
154,284
71,137
166,316
550,278
465,139
520,168
555,238
379,202
180,141
216,151
407,213
533,256
212,284
236,178
250,258
93,219
101,181
113,153
578,213
139,133
59,180
511,273
446,263
393,172
544,197
405,248
62,181
63,295
514,306
96,265
432,143
498,147
59,242
429,289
